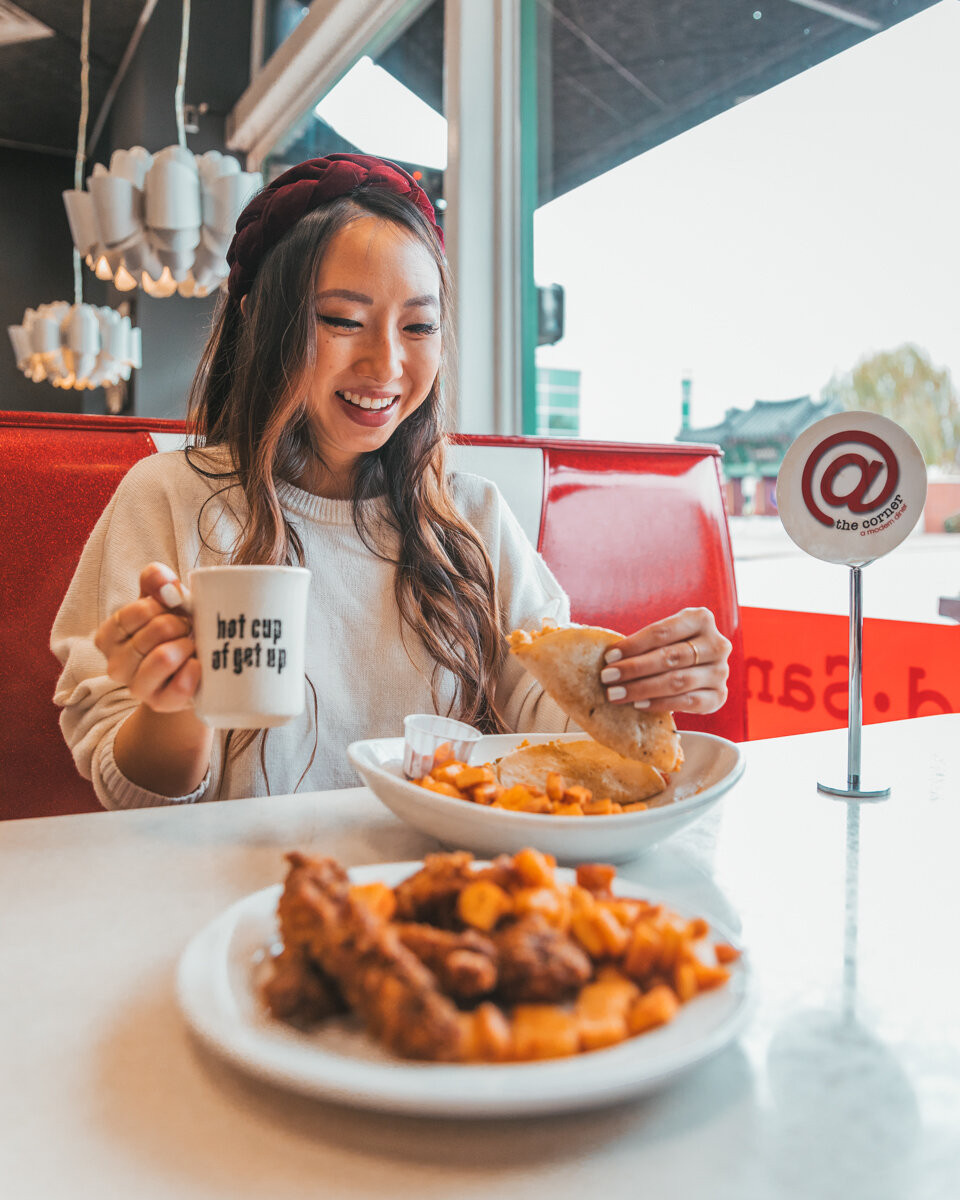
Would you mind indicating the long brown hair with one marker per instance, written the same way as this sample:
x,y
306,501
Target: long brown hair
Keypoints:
x,y
250,395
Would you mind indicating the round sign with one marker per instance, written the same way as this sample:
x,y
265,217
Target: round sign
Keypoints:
x,y
851,487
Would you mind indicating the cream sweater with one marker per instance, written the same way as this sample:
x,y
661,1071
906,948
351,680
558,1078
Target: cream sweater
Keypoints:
x,y
366,677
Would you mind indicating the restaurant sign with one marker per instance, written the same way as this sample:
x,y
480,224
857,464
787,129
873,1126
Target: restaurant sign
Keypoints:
x,y
851,487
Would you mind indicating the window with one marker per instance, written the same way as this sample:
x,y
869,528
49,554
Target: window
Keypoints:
x,y
388,103
749,197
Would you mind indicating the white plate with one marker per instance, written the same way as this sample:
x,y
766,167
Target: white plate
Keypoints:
x,y
217,990
712,765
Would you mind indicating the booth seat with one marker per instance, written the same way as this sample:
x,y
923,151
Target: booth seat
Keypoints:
x,y
632,532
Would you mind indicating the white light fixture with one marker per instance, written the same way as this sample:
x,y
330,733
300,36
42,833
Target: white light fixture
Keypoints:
x,y
76,345
161,221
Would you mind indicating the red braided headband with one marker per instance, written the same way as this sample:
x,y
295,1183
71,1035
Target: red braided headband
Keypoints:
x,y
298,191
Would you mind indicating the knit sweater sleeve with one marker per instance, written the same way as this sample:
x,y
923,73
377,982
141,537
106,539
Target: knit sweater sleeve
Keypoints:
x,y
141,524
528,593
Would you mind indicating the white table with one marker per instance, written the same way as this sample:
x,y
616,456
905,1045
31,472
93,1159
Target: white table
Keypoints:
x,y
845,1084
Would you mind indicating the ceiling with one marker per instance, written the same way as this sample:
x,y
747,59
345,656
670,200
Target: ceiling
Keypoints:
x,y
40,80
627,75
624,75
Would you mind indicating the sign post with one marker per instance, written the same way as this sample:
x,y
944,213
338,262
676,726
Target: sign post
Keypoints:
x,y
843,505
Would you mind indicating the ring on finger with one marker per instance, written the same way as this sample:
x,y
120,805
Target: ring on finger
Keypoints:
x,y
696,652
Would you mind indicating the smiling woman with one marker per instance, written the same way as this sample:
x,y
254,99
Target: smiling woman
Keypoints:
x,y
320,414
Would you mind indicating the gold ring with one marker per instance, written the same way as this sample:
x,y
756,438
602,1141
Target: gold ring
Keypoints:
x,y
119,624
696,653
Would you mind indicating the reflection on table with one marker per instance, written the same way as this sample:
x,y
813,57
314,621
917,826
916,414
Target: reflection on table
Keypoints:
x,y
846,1083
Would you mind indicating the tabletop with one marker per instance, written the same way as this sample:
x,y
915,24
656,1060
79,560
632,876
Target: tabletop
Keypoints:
x,y
845,1083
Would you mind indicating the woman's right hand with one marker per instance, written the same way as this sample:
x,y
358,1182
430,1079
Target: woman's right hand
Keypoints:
x,y
150,649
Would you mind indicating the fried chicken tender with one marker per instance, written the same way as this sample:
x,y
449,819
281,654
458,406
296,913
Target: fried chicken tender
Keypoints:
x,y
299,991
430,895
465,964
537,963
389,988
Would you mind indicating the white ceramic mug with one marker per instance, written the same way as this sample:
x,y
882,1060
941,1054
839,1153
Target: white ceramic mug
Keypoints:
x,y
249,624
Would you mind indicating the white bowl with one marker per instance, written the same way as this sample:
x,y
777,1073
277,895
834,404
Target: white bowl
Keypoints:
x,y
712,765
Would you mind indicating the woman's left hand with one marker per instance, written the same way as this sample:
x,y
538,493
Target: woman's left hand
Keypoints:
x,y
678,664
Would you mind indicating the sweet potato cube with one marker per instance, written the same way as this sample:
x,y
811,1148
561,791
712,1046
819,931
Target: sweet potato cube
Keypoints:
x,y
492,1033
685,981
577,795
656,1007
484,793
376,897
547,902
596,877
696,929
581,900
627,911
708,977
482,904
443,754
584,929
600,933
544,1031
534,868
537,802
669,948
611,994
643,951
600,808
468,777
637,806
447,773
598,1032
614,935
567,810
442,789
601,1010
517,797
555,786
726,953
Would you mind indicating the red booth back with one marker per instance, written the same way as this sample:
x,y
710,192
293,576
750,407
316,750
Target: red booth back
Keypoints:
x,y
632,532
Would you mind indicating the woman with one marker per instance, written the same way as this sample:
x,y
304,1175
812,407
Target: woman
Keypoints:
x,y
319,410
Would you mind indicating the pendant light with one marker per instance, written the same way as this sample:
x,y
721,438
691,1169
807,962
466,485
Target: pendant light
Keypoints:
x,y
76,345
161,221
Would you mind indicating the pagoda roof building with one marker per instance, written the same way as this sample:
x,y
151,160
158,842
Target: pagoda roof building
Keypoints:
x,y
754,440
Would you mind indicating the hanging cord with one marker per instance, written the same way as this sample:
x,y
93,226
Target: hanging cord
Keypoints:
x,y
182,74
82,138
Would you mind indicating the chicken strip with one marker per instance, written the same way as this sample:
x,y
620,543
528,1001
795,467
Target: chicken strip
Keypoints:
x,y
297,990
430,894
464,963
537,964
389,988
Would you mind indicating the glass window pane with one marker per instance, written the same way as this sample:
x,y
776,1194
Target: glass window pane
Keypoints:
x,y
742,203
391,106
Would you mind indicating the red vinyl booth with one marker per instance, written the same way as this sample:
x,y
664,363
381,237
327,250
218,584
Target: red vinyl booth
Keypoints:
x,y
632,532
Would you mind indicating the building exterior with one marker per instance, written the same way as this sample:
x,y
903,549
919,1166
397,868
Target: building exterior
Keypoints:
x,y
754,442
558,402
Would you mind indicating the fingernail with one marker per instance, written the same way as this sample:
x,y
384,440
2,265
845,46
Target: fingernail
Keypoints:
x,y
612,656
170,595
617,693
609,675
641,704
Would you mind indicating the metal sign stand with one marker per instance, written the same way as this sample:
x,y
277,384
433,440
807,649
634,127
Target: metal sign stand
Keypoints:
x,y
854,790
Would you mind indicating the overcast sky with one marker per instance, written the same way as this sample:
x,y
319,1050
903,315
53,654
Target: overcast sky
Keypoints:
x,y
771,246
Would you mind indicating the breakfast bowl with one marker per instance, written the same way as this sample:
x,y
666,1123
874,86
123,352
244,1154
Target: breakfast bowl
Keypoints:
x,y
712,765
